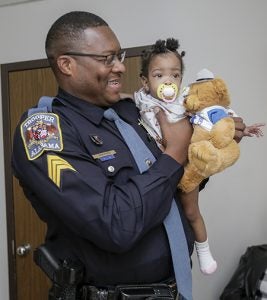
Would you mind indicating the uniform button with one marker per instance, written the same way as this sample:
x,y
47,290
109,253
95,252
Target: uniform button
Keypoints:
x,y
148,162
111,169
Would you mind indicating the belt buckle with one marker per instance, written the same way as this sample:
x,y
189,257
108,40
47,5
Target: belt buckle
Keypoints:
x,y
145,291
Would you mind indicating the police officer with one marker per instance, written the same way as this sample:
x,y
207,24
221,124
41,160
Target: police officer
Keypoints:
x,y
81,177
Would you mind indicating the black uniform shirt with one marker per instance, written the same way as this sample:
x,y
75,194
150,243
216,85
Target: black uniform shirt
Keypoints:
x,y
97,207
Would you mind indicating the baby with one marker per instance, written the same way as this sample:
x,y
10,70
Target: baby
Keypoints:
x,y
162,70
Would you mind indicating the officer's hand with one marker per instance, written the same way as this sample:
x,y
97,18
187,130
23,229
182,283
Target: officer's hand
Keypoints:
x,y
239,128
176,136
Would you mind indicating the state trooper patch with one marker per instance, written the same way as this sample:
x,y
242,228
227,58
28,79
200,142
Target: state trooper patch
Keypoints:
x,y
41,132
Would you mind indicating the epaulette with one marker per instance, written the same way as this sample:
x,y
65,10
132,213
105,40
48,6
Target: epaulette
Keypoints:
x,y
44,105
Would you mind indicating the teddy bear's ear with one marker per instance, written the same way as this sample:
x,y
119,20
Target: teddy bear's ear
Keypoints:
x,y
222,91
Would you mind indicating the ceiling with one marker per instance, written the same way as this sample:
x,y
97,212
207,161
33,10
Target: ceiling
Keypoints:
x,y
12,2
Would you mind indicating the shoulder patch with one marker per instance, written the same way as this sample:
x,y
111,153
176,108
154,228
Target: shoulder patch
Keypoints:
x,y
41,132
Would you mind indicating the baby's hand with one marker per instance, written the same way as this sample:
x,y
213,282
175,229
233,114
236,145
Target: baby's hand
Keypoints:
x,y
254,130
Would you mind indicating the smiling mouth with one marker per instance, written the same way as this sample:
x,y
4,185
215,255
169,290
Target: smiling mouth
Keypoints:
x,y
115,85
114,82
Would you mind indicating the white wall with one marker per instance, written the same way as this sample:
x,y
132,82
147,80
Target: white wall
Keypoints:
x,y
229,37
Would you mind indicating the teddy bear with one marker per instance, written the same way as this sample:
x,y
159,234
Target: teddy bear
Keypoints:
x,y
212,148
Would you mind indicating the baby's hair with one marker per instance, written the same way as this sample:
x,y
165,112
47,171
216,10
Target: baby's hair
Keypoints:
x,y
160,47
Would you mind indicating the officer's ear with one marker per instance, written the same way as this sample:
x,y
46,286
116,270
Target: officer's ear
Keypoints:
x,y
65,64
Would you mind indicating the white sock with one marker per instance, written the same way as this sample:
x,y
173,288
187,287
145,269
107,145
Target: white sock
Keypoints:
x,y
206,262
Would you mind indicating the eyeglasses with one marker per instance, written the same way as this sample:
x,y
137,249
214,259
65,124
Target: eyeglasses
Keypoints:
x,y
108,60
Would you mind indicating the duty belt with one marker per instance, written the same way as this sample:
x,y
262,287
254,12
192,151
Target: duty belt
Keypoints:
x,y
131,292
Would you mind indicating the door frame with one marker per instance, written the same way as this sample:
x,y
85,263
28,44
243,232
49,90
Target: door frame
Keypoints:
x,y
6,69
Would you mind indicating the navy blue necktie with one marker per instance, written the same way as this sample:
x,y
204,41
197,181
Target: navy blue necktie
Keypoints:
x,y
172,223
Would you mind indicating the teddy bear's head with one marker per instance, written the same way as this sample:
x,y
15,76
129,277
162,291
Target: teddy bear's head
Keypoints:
x,y
205,92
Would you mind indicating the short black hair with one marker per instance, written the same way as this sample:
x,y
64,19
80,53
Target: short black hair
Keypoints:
x,y
67,30
160,47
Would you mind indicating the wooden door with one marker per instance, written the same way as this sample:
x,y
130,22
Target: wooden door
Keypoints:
x,y
25,88
22,85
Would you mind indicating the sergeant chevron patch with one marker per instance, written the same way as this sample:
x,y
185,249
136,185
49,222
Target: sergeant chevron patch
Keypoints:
x,y
56,165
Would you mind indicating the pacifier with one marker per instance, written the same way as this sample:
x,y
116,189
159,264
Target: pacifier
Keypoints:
x,y
167,92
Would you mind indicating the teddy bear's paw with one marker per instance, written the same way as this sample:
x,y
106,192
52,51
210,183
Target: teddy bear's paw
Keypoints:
x,y
191,103
222,133
202,151
191,179
205,157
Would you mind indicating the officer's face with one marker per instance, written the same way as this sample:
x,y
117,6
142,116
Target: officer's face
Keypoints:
x,y
163,68
96,79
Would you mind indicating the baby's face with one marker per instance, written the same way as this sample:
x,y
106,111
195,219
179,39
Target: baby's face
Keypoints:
x,y
164,68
